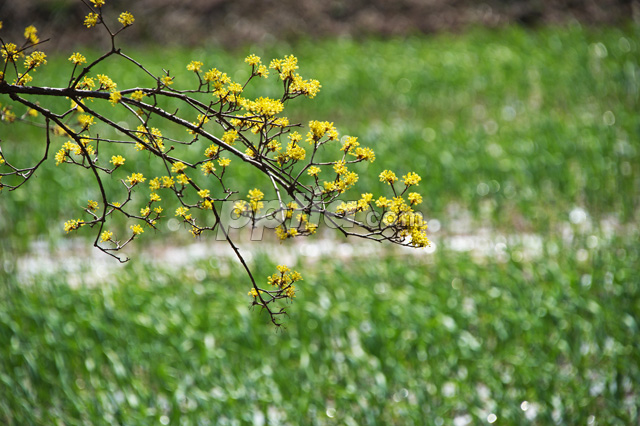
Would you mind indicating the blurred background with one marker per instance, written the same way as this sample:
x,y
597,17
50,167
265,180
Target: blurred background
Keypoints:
x,y
520,116
237,23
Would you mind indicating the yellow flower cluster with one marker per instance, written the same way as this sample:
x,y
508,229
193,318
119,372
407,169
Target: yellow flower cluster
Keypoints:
x,y
313,171
230,136
255,197
166,80
115,97
72,225
318,129
126,19
85,121
69,146
137,95
411,178
117,160
31,34
91,20
106,83
136,178
10,52
388,176
77,59
286,67
178,167
161,182
263,106
258,68
35,60
194,66
283,280
153,138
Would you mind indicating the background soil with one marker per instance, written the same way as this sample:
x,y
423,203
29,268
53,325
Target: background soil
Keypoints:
x,y
241,22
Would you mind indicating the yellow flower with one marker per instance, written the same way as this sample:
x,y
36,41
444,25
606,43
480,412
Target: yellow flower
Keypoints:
x,y
207,168
91,20
98,3
154,184
230,137
35,60
363,203
138,95
117,160
181,211
349,143
203,193
211,151
295,152
252,60
194,66
85,121
77,59
126,19
115,97
72,225
411,179
1,159
212,75
415,198
383,202
239,207
168,181
313,171
154,197
136,178
87,83
178,167
30,33
61,156
256,195
145,211
106,236
235,88
224,162
282,269
10,52
389,218
92,205
262,71
137,229
166,80
32,112
364,154
182,179
388,176
263,106
106,83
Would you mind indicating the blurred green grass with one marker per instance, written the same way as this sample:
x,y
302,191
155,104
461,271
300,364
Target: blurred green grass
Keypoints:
x,y
392,340
515,126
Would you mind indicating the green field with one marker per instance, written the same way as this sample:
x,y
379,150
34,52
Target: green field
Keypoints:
x,y
527,141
